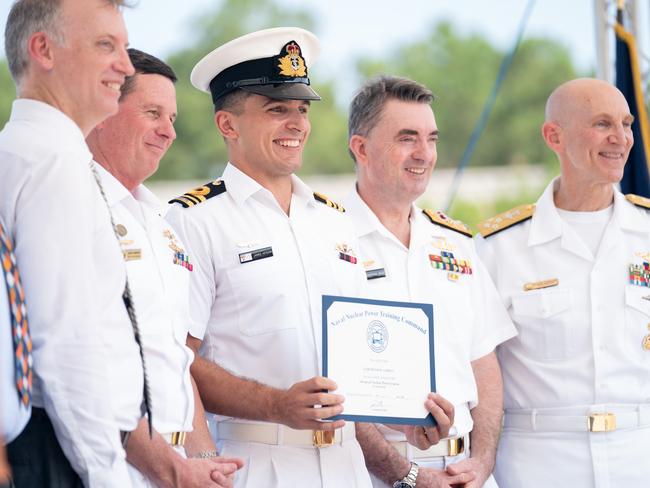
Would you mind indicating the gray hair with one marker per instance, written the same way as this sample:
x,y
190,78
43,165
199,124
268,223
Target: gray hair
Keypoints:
x,y
368,103
27,17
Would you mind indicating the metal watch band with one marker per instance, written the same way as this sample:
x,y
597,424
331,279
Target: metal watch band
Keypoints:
x,y
413,474
410,478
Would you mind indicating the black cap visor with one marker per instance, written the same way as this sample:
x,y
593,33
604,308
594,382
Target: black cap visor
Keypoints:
x,y
284,91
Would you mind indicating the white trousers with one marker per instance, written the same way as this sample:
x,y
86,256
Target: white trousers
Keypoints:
x,y
271,466
617,459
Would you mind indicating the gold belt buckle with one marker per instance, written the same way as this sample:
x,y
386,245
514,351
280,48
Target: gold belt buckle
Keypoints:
x,y
456,446
601,422
323,438
178,438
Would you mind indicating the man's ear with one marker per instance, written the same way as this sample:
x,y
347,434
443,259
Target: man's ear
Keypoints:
x,y
357,145
226,123
552,134
39,47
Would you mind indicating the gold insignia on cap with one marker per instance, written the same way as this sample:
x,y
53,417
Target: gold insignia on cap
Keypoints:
x,y
292,64
445,221
505,220
637,200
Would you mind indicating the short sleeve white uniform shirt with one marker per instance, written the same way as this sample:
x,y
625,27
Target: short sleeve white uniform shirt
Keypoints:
x,y
256,290
580,346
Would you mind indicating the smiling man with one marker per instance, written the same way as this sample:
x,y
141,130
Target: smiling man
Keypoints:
x,y
265,248
573,271
68,60
128,147
424,256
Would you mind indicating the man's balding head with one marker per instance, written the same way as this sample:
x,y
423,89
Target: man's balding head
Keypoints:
x,y
579,95
588,125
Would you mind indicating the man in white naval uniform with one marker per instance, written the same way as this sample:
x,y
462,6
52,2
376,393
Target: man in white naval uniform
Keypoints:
x,y
265,249
573,273
127,148
424,256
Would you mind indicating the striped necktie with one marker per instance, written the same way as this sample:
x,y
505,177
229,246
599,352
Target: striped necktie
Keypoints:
x,y
19,325
145,407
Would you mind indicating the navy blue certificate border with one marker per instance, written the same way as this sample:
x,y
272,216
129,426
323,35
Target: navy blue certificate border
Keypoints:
x,y
427,308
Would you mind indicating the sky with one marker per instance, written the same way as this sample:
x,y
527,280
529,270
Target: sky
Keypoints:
x,y
353,28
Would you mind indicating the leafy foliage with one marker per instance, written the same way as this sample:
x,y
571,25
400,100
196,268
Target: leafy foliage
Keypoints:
x,y
460,69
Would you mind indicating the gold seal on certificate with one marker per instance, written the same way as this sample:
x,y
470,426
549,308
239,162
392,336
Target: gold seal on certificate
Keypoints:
x,y
381,355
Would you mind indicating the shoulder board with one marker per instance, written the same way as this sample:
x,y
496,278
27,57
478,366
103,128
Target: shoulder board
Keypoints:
x,y
323,199
506,220
200,194
637,200
441,219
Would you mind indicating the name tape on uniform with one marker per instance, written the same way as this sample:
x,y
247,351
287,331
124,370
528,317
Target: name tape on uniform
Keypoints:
x,y
248,257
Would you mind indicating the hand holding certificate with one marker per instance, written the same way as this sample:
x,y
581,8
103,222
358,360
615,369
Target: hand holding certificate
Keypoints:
x,y
381,356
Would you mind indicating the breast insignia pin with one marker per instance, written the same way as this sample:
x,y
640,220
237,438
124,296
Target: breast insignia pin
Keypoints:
x,y
646,341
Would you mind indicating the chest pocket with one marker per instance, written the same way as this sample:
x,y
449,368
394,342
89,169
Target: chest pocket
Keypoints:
x,y
637,320
545,323
263,293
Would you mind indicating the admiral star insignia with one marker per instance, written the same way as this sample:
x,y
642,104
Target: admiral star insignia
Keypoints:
x,y
505,220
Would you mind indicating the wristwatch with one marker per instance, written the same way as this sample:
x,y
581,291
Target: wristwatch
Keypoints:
x,y
409,480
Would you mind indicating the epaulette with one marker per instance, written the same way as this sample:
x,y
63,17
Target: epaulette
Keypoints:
x,y
506,220
637,200
323,199
441,219
200,194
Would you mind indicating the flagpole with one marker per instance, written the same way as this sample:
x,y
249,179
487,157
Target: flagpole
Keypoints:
x,y
604,65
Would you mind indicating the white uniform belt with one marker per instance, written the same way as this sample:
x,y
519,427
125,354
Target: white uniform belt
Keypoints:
x,y
278,434
446,447
596,418
175,438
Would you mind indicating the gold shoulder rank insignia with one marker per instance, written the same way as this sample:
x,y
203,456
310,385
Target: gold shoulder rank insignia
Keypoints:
x,y
637,200
505,220
200,194
323,199
441,219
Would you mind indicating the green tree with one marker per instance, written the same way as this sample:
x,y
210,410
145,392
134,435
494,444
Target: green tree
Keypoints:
x,y
461,71
7,92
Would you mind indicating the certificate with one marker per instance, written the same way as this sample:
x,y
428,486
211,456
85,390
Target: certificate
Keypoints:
x,y
381,355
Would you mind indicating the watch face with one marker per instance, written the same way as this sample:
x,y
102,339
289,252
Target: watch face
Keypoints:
x,y
402,484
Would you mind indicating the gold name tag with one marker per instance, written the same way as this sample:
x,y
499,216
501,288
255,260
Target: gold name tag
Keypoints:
x,y
132,254
538,285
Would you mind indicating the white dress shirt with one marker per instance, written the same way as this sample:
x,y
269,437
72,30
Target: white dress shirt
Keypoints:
x,y
261,318
87,369
160,290
13,414
579,349
469,319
